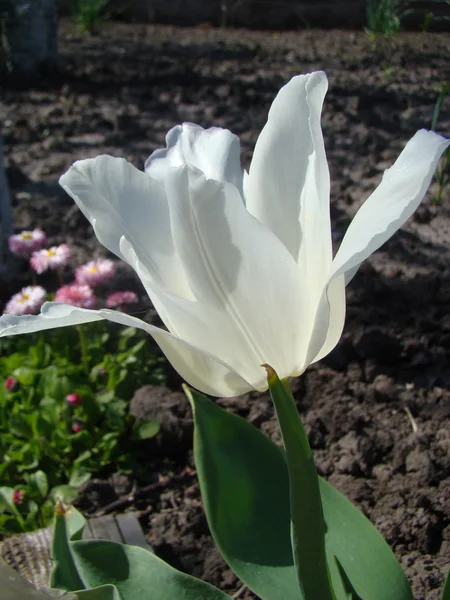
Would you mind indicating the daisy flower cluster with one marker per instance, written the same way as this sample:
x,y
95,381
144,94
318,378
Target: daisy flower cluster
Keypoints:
x,y
81,292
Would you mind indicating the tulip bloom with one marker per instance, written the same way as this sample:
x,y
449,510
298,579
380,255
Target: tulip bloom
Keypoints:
x,y
239,266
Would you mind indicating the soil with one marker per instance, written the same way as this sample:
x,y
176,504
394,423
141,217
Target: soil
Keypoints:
x,y
377,408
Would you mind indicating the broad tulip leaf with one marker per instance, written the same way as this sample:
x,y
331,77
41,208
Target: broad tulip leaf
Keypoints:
x,y
75,524
103,592
64,574
136,573
245,489
361,550
348,590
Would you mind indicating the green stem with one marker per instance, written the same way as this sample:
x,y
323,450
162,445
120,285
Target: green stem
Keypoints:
x,y
83,349
307,521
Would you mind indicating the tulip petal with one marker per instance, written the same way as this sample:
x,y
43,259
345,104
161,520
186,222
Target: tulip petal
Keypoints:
x,y
127,208
53,315
328,322
208,328
201,370
393,202
238,266
215,151
288,187
396,198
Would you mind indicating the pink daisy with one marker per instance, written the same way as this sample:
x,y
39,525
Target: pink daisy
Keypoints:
x,y
26,242
95,272
50,258
76,295
28,301
120,299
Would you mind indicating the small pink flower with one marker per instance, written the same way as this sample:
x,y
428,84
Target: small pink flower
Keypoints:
x,y
26,242
18,496
28,301
50,258
77,427
120,299
95,272
76,295
10,383
74,399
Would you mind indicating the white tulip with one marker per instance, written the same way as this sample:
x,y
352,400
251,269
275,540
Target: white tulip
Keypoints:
x,y
239,266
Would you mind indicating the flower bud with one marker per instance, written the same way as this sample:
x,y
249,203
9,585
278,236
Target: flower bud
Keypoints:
x,y
10,383
77,427
18,496
74,399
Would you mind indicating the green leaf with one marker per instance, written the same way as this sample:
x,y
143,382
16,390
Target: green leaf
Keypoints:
x,y
64,574
135,571
245,489
75,523
103,592
361,550
446,592
39,479
25,375
144,430
19,426
79,477
65,493
348,589
7,501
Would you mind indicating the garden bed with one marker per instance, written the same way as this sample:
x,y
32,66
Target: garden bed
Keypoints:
x,y
377,409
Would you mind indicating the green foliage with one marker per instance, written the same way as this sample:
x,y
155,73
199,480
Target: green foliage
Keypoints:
x,y
443,170
102,570
245,484
88,14
50,447
384,17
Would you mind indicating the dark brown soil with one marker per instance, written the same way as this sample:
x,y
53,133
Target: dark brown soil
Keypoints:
x,y
378,408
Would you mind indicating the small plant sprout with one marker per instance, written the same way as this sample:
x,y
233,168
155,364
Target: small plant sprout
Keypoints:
x,y
88,14
443,169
